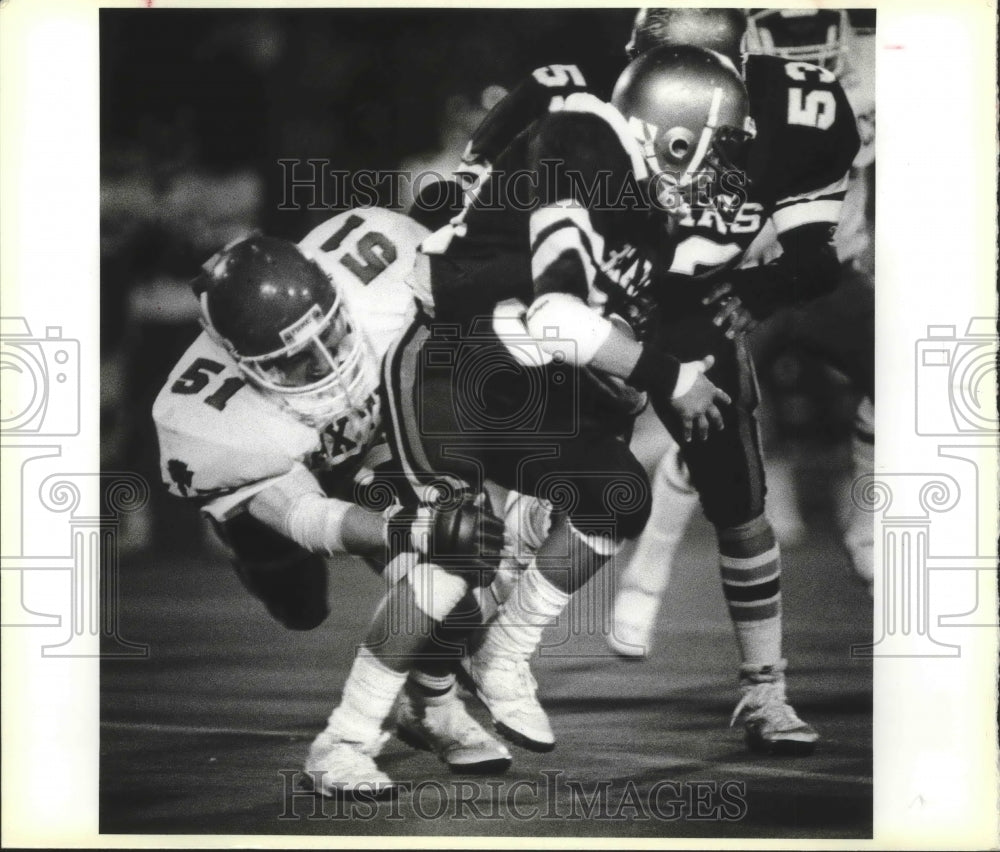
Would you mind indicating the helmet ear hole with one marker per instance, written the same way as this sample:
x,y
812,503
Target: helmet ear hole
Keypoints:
x,y
677,146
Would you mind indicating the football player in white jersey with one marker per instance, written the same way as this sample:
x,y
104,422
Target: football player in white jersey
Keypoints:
x,y
271,421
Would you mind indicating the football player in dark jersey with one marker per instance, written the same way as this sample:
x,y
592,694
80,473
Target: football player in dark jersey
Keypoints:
x,y
795,178
529,373
838,328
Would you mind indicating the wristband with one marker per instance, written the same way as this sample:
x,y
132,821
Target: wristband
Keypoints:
x,y
655,370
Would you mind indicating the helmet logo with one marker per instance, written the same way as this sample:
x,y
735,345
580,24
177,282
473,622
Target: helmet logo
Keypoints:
x,y
303,328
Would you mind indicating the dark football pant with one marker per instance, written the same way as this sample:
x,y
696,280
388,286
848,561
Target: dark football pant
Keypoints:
x,y
465,411
292,583
727,469
289,580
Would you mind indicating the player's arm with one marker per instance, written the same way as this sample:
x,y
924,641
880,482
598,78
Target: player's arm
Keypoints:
x,y
528,101
565,252
297,507
807,268
437,203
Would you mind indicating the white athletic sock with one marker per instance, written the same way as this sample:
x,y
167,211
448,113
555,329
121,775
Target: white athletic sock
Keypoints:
x,y
517,629
674,502
369,695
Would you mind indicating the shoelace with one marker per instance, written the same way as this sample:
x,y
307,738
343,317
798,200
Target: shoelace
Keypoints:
x,y
361,750
454,722
525,677
373,747
765,700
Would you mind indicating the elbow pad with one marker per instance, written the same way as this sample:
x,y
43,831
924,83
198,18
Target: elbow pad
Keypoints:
x,y
555,319
807,268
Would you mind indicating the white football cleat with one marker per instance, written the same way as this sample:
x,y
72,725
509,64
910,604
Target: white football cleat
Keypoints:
x,y
442,724
340,768
633,619
507,688
771,725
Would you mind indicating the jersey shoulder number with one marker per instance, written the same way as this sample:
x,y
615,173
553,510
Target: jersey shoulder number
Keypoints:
x,y
371,255
806,131
217,433
367,243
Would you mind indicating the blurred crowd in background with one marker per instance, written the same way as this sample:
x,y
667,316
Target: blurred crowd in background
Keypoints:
x,y
199,106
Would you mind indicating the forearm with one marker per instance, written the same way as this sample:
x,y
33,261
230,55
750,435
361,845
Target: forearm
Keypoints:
x,y
296,507
596,342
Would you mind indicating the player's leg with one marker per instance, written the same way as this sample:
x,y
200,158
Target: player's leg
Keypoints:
x,y
420,597
289,580
610,501
858,524
644,578
840,329
728,472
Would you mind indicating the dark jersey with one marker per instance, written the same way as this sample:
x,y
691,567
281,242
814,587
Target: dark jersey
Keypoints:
x,y
561,202
806,140
797,170
529,100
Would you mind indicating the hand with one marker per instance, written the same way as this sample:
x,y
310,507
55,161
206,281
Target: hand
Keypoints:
x,y
698,405
732,314
461,526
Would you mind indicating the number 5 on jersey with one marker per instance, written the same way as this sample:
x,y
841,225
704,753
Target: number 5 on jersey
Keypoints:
x,y
818,108
196,377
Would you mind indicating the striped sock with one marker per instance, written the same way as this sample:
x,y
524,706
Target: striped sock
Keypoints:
x,y
751,582
428,685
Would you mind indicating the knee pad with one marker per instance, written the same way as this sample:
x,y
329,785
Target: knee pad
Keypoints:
x,y
436,592
602,545
527,521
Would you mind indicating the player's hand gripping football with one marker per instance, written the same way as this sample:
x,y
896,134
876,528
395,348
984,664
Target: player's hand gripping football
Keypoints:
x,y
732,314
457,526
698,407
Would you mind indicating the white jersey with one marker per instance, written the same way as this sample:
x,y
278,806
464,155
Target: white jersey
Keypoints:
x,y
222,440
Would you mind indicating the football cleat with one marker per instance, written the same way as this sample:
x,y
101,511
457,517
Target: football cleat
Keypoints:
x,y
772,726
343,769
442,724
632,623
508,690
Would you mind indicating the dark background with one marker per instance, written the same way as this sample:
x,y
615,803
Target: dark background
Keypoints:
x,y
198,107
